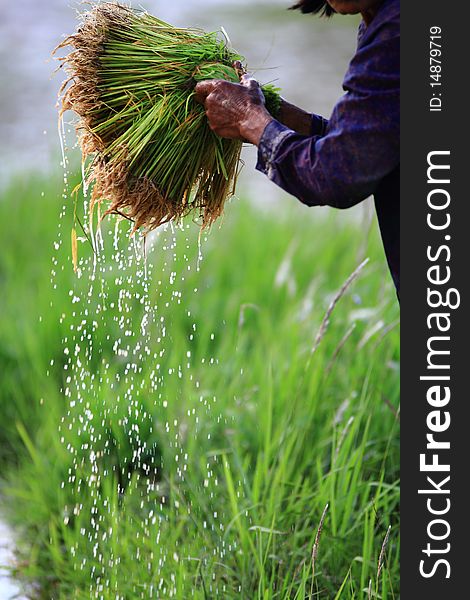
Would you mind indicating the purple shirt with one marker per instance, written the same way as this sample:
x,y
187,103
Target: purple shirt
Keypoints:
x,y
356,152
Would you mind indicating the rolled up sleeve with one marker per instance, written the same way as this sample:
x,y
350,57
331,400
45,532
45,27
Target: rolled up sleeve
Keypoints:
x,y
344,159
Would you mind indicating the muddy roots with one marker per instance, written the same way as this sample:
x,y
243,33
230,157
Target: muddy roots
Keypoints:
x,y
150,154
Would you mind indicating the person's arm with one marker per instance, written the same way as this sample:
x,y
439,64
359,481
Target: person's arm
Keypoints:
x,y
299,120
343,164
361,143
238,111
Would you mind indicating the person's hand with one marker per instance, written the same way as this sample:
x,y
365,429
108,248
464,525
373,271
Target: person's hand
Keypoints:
x,y
234,110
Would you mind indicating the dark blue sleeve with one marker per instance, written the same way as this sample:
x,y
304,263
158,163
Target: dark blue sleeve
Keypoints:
x,y
345,158
318,125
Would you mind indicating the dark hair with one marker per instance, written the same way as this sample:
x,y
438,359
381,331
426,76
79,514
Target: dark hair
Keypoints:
x,y
314,6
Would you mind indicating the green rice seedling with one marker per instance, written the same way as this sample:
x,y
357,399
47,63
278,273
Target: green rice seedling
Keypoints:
x,y
131,80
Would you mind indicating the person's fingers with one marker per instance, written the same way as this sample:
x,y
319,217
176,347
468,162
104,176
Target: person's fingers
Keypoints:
x,y
203,89
229,134
239,68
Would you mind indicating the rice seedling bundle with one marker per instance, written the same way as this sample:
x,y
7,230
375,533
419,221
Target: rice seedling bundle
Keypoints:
x,y
145,141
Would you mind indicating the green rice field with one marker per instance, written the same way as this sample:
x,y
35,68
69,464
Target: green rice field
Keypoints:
x,y
186,423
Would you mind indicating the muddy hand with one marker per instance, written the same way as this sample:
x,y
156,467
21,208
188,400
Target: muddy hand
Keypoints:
x,y
234,110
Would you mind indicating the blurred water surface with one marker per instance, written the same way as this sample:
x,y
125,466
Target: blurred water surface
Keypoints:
x,y
8,588
307,56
